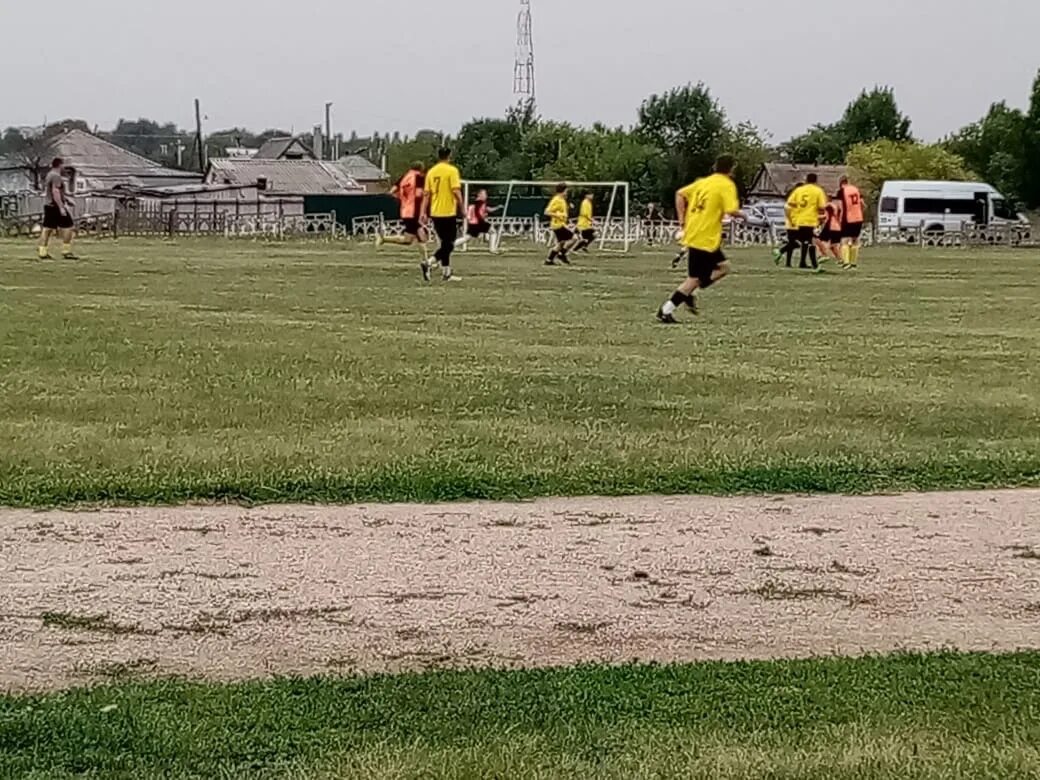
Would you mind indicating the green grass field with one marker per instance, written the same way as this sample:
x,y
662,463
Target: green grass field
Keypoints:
x,y
163,372
918,717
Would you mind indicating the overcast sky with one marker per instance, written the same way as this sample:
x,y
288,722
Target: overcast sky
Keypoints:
x,y
409,64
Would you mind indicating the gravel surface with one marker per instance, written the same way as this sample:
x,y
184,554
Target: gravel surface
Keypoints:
x,y
229,593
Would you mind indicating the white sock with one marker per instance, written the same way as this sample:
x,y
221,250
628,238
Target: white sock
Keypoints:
x,y
459,243
668,308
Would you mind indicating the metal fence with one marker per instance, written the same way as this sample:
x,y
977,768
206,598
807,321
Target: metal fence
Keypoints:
x,y
285,219
269,219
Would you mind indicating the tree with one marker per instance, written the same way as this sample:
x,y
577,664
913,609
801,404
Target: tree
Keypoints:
x,y
995,147
745,142
1031,149
402,156
874,116
874,163
820,145
689,127
492,149
152,140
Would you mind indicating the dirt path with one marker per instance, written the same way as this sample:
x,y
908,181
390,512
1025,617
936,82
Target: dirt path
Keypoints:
x,y
228,593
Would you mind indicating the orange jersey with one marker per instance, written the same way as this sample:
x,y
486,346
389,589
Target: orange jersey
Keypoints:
x,y
852,205
834,212
409,192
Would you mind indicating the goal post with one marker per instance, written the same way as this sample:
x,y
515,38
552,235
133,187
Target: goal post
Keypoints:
x,y
520,205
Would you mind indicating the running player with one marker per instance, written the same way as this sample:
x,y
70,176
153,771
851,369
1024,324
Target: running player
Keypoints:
x,y
804,207
410,194
828,243
852,222
586,232
57,218
477,225
444,204
558,212
702,206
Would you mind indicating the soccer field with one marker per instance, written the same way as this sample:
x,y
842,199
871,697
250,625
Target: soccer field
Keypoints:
x,y
168,371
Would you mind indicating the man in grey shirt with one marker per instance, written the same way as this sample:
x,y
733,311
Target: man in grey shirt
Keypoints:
x,y
56,215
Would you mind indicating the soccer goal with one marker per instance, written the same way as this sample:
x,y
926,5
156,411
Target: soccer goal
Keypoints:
x,y
517,210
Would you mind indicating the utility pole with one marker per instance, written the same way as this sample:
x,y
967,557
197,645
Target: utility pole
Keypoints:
x,y
198,137
328,128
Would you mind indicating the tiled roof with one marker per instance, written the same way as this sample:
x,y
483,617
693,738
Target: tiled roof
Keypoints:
x,y
276,147
362,169
778,179
287,177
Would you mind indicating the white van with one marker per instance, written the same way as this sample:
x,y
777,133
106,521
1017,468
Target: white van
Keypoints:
x,y
939,206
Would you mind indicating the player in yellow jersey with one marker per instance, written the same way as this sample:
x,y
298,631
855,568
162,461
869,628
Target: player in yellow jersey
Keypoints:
x,y
586,232
558,211
701,207
805,207
443,199
791,244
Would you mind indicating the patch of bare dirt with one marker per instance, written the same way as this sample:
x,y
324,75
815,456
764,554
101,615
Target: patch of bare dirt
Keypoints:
x,y
89,596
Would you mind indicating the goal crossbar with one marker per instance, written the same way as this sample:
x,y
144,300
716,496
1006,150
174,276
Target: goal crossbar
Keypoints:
x,y
617,187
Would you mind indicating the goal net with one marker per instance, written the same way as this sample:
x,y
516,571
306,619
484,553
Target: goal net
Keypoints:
x,y
517,211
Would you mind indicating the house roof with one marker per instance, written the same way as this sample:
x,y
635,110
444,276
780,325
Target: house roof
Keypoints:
x,y
361,169
276,148
776,180
97,159
284,177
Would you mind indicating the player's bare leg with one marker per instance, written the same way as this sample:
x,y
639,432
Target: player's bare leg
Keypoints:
x,y
67,237
45,242
406,240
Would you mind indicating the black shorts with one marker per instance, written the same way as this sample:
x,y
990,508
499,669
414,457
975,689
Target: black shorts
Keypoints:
x,y
701,264
446,228
53,219
563,235
478,229
412,226
588,235
805,234
829,236
852,230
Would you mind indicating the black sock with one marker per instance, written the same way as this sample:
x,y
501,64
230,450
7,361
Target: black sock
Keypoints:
x,y
679,298
805,254
812,257
552,255
790,253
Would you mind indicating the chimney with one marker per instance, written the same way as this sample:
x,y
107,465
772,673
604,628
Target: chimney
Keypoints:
x,y
336,144
319,146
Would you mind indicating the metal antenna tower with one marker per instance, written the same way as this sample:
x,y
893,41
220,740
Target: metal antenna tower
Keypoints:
x,y
523,70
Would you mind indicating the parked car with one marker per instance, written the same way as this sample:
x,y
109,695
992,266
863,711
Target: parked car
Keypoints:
x,y
769,213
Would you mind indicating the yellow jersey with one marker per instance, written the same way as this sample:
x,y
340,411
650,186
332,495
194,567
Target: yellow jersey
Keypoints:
x,y
585,215
441,182
806,203
558,212
708,200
